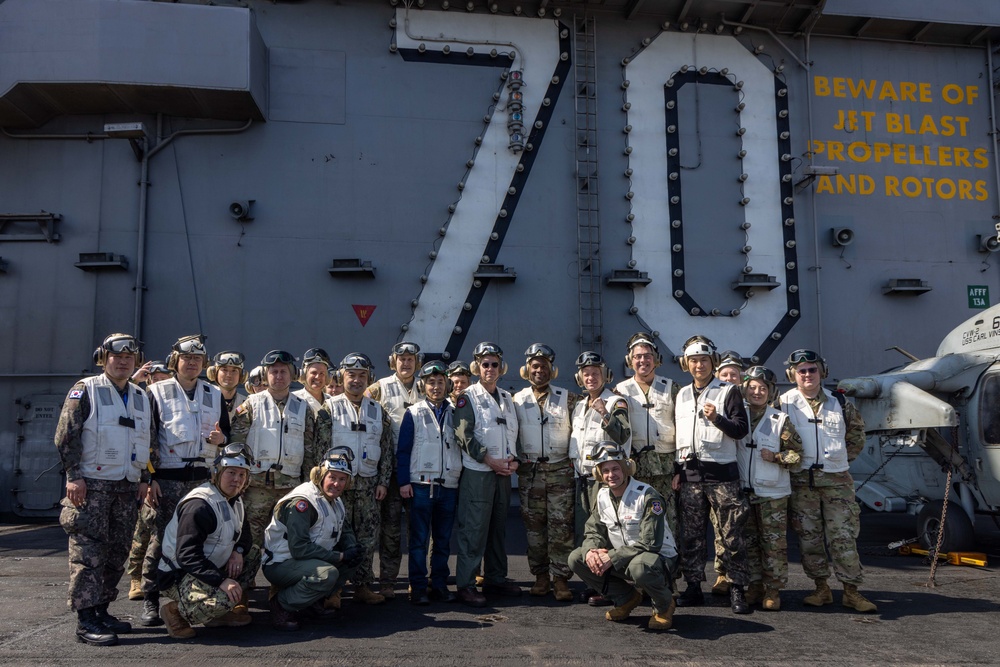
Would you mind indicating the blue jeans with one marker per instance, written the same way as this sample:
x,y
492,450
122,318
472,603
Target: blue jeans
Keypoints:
x,y
431,517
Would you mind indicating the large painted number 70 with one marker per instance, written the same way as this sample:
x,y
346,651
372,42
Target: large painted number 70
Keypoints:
x,y
449,299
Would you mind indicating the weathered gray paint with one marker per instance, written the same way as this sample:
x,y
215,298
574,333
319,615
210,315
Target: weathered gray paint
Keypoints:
x,y
365,165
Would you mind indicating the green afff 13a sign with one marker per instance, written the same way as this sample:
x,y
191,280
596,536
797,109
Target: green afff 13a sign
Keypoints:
x,y
979,296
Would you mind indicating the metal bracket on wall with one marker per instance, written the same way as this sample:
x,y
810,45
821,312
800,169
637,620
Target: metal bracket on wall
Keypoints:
x,y
46,223
352,267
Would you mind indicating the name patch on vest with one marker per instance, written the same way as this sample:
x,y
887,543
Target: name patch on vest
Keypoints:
x,y
302,506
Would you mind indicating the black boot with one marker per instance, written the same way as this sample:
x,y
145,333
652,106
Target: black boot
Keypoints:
x,y
90,630
738,600
692,596
151,610
116,625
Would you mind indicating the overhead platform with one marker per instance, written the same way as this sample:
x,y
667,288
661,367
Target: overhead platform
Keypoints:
x,y
64,57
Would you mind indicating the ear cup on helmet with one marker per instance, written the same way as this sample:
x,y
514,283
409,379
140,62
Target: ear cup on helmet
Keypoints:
x,y
172,361
555,372
212,373
474,367
578,376
524,372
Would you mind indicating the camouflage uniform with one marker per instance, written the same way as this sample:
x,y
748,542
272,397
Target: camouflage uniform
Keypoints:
x,y
144,527
546,492
199,602
268,487
364,514
390,552
767,528
824,512
652,467
100,529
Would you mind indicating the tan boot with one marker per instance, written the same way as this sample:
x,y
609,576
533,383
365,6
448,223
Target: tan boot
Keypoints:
x,y
387,590
721,586
621,612
856,601
332,602
561,587
755,592
821,596
662,620
368,596
135,589
772,599
542,585
229,620
177,627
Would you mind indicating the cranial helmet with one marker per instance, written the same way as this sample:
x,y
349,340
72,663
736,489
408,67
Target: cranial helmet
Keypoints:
x,y
485,349
539,351
761,374
590,358
235,455
194,344
608,450
433,368
642,338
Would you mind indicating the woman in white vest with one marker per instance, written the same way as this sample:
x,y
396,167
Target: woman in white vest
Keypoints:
x,y
315,376
359,424
310,549
395,393
545,477
603,415
208,552
823,509
428,467
486,430
764,457
628,545
190,424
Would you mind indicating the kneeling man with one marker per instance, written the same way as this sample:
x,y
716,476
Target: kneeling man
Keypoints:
x,y
309,548
627,545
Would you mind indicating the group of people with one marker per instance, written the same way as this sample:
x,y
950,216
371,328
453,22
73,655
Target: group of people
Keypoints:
x,y
617,483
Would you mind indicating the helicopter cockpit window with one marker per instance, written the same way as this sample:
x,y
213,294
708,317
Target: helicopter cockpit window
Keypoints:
x,y
989,409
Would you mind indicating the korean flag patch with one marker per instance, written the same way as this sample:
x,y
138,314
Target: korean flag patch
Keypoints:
x,y
657,507
302,506
75,394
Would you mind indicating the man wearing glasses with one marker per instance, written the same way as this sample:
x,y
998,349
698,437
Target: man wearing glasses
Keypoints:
x,y
103,439
486,430
315,377
190,423
823,510
395,393
279,428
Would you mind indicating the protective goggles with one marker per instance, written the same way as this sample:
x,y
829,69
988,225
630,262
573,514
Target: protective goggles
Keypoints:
x,y
760,373
159,368
229,359
730,358
459,368
589,359
338,459
607,452
235,455
800,356
119,345
540,350
316,355
277,357
191,345
484,349
433,368
405,348
356,361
